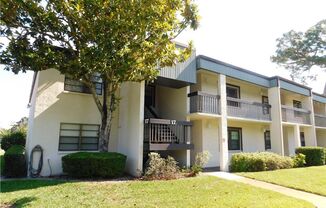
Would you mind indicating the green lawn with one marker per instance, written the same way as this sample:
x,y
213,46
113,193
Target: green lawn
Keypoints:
x,y
203,191
310,179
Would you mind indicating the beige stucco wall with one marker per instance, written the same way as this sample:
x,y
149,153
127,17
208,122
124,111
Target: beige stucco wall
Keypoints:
x,y
248,91
288,97
205,138
210,141
321,137
291,137
289,140
131,126
197,138
171,103
252,135
319,108
50,107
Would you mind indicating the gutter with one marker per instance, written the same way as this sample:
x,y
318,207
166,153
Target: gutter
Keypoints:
x,y
32,89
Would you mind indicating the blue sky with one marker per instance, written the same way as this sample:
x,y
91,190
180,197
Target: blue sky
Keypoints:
x,y
241,33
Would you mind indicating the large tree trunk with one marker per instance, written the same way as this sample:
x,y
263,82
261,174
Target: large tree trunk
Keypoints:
x,y
104,136
108,107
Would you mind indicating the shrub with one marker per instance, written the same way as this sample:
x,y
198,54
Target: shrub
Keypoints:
x,y
200,160
13,138
314,155
251,162
159,168
299,160
15,161
2,164
94,164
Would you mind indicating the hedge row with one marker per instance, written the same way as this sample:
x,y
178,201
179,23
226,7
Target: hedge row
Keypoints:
x,y
15,162
94,164
314,155
251,162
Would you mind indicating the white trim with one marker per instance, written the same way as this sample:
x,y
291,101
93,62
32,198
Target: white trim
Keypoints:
x,y
248,119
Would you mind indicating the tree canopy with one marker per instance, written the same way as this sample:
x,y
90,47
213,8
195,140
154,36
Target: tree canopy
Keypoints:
x,y
118,40
298,52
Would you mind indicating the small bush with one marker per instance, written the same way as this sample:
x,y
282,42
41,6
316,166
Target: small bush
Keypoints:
x,y
159,168
314,155
299,160
94,164
15,161
13,138
251,162
325,154
200,160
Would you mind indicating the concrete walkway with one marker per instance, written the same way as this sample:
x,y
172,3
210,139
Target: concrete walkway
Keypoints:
x,y
317,200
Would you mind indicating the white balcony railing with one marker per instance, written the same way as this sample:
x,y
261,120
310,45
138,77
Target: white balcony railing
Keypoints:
x,y
246,109
295,115
204,103
320,120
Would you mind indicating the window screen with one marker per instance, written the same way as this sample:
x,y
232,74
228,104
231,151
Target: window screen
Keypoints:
x,y
77,86
75,137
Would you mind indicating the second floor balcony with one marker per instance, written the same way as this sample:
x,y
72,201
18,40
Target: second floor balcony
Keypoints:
x,y
201,102
320,120
295,115
247,109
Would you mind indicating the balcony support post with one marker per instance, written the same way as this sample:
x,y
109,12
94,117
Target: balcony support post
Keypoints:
x,y
223,126
297,142
311,132
276,126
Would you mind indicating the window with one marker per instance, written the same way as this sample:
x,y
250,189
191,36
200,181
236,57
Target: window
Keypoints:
x,y
233,91
75,137
265,105
77,86
302,140
297,104
234,138
267,138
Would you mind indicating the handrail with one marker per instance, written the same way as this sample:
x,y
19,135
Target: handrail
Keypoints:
x,y
167,121
248,102
296,109
320,115
203,94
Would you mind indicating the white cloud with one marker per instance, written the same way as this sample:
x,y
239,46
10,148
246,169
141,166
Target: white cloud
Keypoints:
x,y
14,91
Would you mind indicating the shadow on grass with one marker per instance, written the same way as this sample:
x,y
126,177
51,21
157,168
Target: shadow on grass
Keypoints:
x,y
17,185
22,201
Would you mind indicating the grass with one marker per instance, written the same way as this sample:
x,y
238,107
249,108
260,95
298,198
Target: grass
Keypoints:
x,y
203,191
310,179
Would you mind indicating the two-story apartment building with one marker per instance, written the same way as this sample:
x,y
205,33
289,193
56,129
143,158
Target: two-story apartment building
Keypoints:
x,y
200,105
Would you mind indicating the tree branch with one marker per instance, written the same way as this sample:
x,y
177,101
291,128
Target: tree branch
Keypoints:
x,y
88,82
